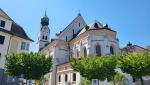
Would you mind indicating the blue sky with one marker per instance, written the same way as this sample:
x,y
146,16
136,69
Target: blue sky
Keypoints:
x,y
130,18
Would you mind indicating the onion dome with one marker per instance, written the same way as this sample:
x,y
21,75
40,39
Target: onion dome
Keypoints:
x,y
45,20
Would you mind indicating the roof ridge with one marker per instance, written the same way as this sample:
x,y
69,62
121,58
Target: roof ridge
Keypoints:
x,y
79,15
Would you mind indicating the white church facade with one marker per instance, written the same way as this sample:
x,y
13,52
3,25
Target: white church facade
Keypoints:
x,y
78,39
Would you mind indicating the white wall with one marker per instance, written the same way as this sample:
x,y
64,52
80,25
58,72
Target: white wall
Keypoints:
x,y
8,23
4,49
73,26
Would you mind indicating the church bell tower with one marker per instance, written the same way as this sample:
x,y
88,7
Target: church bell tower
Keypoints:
x,y
43,37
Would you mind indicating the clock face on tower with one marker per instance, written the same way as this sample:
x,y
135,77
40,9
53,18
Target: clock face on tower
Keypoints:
x,y
46,29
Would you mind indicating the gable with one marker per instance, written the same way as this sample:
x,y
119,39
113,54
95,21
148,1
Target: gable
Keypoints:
x,y
77,24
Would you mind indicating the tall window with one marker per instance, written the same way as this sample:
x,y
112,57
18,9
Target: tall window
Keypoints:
x,y
85,52
23,46
73,31
111,50
0,55
66,38
74,76
45,37
2,23
2,38
78,54
98,50
27,46
79,24
59,78
66,77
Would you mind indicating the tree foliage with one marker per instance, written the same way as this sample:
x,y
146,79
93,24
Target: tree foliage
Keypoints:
x,y
32,65
85,82
93,67
137,65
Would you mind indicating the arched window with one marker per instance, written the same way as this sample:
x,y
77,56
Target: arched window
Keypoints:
x,y
96,25
66,77
45,37
98,50
74,76
85,52
59,78
111,50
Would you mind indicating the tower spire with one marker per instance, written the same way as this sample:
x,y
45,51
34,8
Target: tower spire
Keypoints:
x,y
45,13
45,20
79,14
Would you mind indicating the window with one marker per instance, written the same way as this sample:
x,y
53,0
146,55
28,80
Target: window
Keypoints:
x,y
2,38
45,37
79,24
78,53
96,25
66,38
23,46
98,50
2,23
111,50
0,55
73,31
27,46
59,78
74,76
66,78
85,52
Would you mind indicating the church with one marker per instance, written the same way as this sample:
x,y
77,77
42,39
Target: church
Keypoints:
x,y
78,39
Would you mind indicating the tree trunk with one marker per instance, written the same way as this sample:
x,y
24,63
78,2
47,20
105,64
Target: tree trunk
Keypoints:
x,y
114,81
142,82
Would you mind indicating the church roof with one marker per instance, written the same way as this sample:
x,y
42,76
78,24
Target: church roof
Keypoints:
x,y
94,26
131,48
79,15
16,30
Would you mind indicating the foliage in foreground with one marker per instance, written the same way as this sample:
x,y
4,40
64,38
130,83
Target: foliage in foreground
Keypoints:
x,y
31,65
137,65
85,82
93,67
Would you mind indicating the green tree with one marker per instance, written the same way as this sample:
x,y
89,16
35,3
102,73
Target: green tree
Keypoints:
x,y
85,82
32,65
93,67
120,78
137,65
